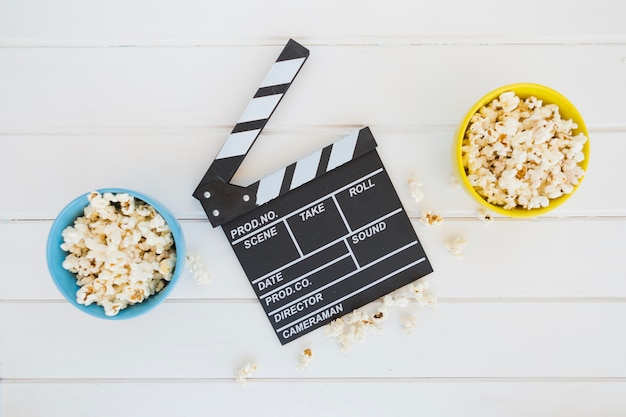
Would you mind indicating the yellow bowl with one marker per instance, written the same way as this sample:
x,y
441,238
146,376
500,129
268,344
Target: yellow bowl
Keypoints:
x,y
523,90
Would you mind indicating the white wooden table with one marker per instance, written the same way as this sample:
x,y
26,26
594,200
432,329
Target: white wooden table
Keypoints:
x,y
142,94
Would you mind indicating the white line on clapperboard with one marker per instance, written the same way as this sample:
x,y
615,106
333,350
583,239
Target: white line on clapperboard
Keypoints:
x,y
348,275
293,238
311,204
326,246
308,274
334,242
345,222
378,281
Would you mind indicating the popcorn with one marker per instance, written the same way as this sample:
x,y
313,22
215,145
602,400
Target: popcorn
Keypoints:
x,y
379,316
334,328
431,219
408,323
521,153
400,299
121,251
456,245
429,300
418,289
354,333
197,269
415,188
454,182
306,358
354,327
245,372
388,301
484,215
357,316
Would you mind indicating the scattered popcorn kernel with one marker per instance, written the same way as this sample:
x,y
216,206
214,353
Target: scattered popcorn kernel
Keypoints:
x,y
198,270
431,219
345,344
388,301
120,256
408,323
484,215
306,358
429,300
334,328
415,188
521,153
357,316
380,315
454,182
420,293
400,299
355,326
245,372
456,245
418,288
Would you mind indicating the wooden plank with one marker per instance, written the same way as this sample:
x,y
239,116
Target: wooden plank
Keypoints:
x,y
51,89
152,165
517,259
239,22
328,397
460,340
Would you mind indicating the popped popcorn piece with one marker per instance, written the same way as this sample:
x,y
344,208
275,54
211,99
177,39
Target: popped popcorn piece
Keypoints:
x,y
400,299
355,333
334,328
521,153
380,315
429,300
418,289
197,269
420,293
408,323
306,358
357,316
345,341
121,251
354,327
454,182
388,301
245,372
430,219
456,245
415,188
484,215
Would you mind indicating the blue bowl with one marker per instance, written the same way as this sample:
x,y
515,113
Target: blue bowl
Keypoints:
x,y
66,280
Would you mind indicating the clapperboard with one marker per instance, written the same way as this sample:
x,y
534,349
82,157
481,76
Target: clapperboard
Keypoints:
x,y
320,237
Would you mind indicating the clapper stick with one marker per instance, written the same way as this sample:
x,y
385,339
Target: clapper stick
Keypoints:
x,y
220,199
320,237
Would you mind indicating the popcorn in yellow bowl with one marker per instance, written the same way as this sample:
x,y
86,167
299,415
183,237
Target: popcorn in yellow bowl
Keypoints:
x,y
522,150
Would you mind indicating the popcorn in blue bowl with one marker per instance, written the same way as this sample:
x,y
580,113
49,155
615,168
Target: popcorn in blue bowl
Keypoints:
x,y
115,253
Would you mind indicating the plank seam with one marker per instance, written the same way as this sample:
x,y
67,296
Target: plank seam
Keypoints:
x,y
440,300
350,380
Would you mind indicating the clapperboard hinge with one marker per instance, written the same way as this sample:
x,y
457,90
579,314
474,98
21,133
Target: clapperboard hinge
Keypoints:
x,y
221,200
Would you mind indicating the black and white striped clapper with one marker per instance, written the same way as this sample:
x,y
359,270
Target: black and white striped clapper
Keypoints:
x,y
320,237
